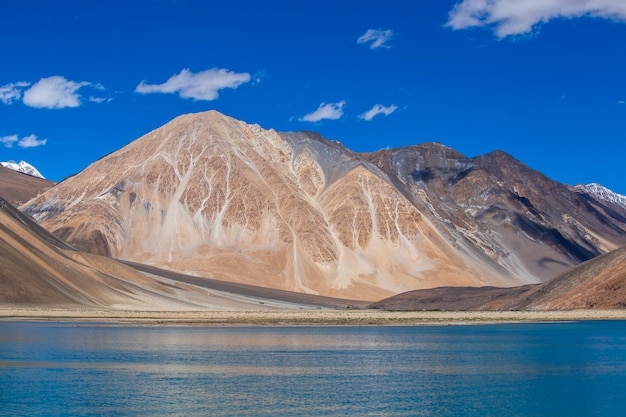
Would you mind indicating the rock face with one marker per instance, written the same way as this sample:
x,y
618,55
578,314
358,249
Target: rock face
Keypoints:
x,y
215,197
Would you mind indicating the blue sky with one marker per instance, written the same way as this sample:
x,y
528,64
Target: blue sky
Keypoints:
x,y
544,80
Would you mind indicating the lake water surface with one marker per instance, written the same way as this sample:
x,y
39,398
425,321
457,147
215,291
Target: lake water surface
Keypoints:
x,y
95,369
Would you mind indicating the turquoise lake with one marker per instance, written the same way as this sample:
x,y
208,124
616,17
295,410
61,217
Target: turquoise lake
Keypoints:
x,y
96,369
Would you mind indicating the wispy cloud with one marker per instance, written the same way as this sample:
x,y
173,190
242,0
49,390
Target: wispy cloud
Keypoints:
x,y
330,111
377,38
203,85
8,141
517,17
94,99
258,76
11,92
620,102
376,110
29,141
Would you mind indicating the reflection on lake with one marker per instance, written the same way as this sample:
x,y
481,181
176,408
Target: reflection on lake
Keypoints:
x,y
506,369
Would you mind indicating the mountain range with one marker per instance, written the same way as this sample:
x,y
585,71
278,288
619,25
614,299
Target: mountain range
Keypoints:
x,y
214,197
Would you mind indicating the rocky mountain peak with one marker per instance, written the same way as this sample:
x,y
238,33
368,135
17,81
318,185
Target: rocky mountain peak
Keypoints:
x,y
213,196
601,193
23,167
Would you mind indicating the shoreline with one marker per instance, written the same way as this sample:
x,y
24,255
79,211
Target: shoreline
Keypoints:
x,y
300,317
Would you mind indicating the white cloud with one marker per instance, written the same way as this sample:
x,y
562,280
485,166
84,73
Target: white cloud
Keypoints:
x,y
29,141
376,110
8,141
377,37
94,99
12,91
54,92
620,102
331,111
516,17
203,85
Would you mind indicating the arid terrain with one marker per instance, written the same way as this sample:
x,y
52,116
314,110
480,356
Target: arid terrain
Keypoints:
x,y
599,283
212,196
303,317
211,214
40,271
44,278
18,188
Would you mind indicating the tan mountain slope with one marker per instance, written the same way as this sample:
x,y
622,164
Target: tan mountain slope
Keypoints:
x,y
453,299
599,283
39,270
216,197
17,188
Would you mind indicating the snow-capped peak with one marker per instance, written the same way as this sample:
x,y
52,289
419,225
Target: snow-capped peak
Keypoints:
x,y
23,167
602,193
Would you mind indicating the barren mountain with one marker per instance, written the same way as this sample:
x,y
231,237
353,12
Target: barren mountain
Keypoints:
x,y
495,205
38,269
17,187
599,283
215,197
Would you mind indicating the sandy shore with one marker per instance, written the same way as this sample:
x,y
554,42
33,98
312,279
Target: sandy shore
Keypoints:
x,y
304,317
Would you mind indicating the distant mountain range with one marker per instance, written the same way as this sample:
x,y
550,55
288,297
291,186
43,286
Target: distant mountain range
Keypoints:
x,y
602,193
211,196
39,270
23,167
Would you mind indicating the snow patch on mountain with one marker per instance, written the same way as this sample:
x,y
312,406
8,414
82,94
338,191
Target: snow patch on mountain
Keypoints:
x,y
601,192
23,167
